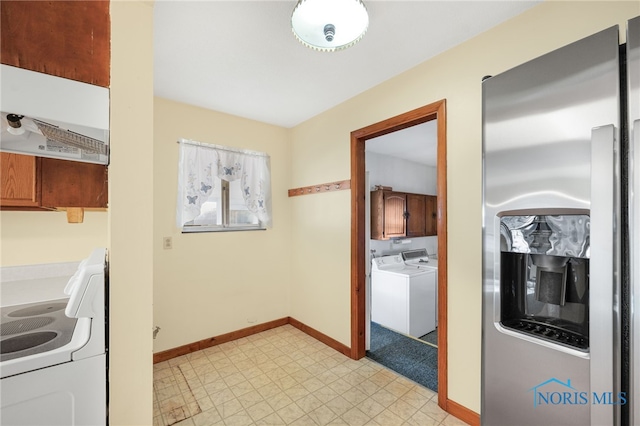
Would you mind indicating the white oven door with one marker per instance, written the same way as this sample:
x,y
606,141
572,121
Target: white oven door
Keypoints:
x,y
74,393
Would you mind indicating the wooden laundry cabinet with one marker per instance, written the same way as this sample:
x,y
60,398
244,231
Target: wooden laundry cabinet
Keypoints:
x,y
400,214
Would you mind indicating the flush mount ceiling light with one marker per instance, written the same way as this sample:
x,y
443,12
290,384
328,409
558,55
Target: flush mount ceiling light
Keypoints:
x,y
329,24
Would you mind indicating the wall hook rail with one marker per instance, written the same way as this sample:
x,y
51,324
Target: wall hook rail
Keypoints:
x,y
323,187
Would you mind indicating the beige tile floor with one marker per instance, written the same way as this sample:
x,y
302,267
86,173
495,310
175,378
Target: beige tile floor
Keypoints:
x,y
285,377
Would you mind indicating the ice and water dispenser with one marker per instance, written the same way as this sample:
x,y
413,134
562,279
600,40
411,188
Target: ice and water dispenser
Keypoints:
x,y
544,277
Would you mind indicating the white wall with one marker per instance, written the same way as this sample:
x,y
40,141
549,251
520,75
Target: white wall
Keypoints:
x,y
216,282
392,247
130,214
401,175
28,238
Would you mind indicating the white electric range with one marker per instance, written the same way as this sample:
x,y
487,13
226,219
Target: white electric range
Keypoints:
x,y
53,362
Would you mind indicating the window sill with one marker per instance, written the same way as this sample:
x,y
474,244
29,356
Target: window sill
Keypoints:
x,y
198,229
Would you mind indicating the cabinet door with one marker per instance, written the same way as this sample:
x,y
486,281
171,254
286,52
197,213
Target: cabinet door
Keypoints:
x,y
20,180
377,215
394,214
70,39
73,184
432,215
416,215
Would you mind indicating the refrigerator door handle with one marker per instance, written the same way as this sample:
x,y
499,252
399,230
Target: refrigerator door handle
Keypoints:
x,y
605,214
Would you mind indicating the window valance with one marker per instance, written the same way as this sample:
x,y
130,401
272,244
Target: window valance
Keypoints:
x,y
199,165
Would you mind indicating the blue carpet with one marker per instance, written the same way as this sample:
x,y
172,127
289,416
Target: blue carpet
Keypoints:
x,y
414,360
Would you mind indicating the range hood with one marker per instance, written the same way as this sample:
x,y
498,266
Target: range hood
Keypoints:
x,y
48,116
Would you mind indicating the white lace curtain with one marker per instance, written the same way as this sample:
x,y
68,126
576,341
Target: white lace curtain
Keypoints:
x,y
200,162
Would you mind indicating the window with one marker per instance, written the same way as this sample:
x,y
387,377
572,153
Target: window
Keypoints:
x,y
222,188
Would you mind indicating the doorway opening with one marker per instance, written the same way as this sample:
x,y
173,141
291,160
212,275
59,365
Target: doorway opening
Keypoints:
x,y
359,254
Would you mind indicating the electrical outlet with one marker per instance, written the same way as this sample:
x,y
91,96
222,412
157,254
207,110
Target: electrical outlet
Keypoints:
x,y
167,243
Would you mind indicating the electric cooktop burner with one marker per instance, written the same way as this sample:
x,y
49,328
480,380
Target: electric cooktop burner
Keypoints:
x,y
39,309
23,325
34,328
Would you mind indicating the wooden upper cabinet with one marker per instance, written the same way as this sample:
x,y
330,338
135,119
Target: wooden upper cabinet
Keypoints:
x,y
394,214
44,183
19,180
69,39
399,214
73,184
377,215
416,215
431,215
387,214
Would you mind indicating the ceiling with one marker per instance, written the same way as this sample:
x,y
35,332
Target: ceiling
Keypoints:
x,y
417,143
241,58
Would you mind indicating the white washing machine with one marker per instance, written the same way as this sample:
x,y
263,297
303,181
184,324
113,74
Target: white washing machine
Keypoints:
x,y
53,364
420,259
403,297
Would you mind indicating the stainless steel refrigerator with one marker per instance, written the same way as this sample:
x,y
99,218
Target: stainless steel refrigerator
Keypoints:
x,y
561,287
